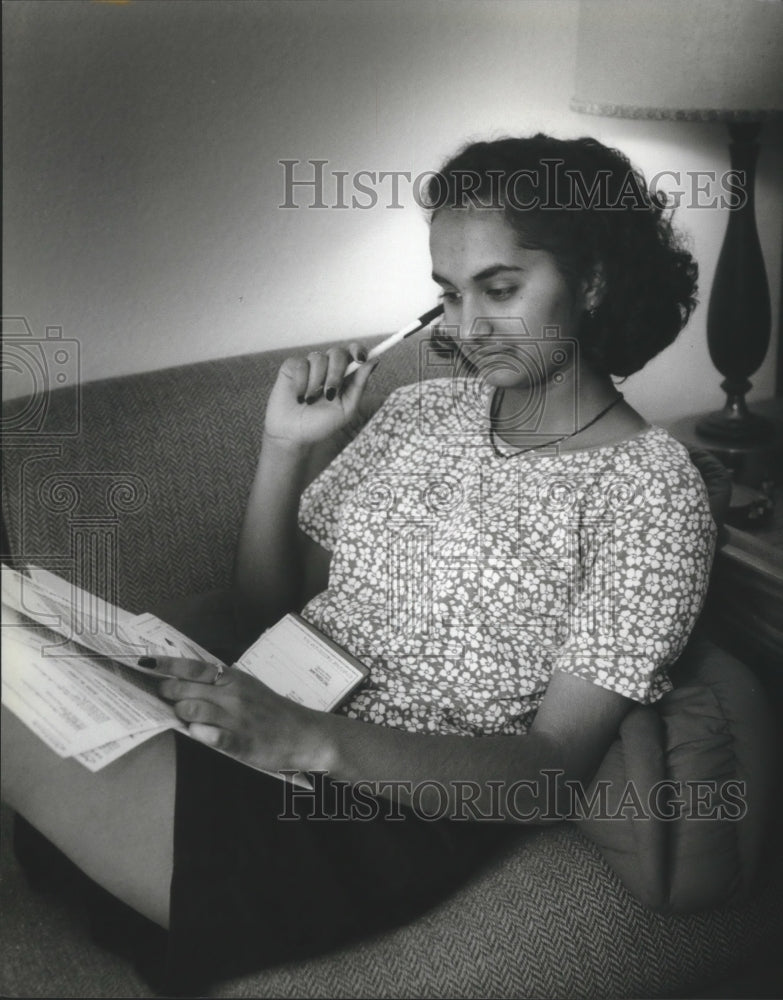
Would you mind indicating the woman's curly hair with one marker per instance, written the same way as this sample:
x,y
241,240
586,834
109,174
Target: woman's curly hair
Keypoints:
x,y
586,205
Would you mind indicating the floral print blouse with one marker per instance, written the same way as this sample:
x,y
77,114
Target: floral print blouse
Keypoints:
x,y
463,578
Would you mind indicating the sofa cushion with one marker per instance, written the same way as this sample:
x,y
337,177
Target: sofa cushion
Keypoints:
x,y
689,784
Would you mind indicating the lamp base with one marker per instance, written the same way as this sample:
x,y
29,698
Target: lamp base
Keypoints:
x,y
735,424
725,428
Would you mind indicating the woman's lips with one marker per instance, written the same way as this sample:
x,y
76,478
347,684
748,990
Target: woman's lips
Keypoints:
x,y
499,350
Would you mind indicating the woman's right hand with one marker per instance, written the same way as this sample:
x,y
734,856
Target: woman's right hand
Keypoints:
x,y
309,401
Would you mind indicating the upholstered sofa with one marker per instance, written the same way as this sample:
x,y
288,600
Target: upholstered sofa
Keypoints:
x,y
137,485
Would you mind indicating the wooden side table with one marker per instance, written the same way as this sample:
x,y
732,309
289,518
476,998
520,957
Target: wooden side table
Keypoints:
x,y
745,604
751,465
757,472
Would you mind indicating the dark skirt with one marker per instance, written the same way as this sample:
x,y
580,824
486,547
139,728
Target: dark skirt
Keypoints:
x,y
264,875
251,889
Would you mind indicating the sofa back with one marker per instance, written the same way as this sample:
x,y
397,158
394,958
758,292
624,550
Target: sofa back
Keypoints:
x,y
136,486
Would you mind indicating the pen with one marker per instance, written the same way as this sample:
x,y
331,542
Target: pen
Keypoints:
x,y
395,338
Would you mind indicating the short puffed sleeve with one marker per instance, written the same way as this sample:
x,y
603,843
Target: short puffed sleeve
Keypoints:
x,y
321,503
643,580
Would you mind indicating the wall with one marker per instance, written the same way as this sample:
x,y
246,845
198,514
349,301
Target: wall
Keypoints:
x,y
142,175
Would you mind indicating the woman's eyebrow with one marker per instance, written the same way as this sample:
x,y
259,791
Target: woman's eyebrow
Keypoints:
x,y
483,275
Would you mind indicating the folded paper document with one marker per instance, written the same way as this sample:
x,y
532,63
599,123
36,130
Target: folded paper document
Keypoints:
x,y
71,673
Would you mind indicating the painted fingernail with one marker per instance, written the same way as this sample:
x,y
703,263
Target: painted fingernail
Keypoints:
x,y
300,399
331,392
149,662
361,354
309,399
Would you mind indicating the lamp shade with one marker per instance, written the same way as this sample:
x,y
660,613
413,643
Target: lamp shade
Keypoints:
x,y
692,60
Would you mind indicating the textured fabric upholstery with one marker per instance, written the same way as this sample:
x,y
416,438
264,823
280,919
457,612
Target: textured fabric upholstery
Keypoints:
x,y
548,919
162,463
153,483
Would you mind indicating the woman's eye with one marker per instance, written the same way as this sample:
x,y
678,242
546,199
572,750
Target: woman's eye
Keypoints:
x,y
501,294
451,298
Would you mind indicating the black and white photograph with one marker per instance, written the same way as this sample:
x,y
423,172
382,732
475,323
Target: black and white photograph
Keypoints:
x,y
392,499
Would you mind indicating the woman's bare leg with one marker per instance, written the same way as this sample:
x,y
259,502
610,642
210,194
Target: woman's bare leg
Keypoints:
x,y
117,825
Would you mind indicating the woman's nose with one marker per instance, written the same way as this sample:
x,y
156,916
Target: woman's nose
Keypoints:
x,y
474,326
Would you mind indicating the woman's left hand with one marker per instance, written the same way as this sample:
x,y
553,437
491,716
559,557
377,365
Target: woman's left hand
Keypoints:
x,y
243,717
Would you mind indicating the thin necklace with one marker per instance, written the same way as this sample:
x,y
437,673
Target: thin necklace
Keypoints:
x,y
544,444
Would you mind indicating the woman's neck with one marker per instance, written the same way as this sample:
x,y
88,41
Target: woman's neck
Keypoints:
x,y
523,416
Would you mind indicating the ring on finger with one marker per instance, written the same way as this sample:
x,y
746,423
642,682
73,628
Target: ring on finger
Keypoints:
x,y
220,671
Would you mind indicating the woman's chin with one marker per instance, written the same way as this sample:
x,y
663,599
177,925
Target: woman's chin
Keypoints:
x,y
501,370
504,376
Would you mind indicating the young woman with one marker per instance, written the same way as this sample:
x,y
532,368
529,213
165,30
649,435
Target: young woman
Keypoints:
x,y
513,551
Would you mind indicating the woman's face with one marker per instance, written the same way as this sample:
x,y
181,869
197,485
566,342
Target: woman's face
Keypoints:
x,y
511,306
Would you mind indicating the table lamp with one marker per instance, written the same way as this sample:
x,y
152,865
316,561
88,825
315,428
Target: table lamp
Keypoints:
x,y
704,61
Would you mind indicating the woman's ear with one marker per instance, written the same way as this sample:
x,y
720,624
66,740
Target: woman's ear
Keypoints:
x,y
593,288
